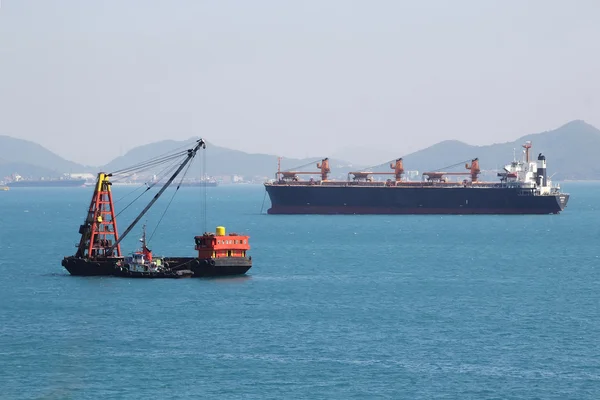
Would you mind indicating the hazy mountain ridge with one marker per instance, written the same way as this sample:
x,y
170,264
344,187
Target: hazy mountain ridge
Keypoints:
x,y
30,159
571,150
7,169
218,160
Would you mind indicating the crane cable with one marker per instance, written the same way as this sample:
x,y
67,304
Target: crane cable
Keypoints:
x,y
204,205
127,172
301,166
163,172
379,165
170,201
453,165
154,159
167,170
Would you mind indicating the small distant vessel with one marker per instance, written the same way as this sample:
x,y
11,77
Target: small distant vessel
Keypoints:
x,y
4,188
19,181
99,249
199,183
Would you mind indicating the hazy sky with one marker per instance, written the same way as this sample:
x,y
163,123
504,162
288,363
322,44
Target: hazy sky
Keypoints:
x,y
92,79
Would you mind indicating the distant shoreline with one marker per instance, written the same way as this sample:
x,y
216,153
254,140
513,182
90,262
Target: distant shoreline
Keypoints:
x,y
582,180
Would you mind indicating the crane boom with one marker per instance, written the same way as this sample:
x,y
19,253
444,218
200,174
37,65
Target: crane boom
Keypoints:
x,y
190,155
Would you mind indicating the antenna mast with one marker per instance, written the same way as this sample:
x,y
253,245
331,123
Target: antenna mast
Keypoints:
x,y
527,146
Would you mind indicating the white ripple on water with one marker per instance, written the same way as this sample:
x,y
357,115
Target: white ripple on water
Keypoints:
x,y
412,366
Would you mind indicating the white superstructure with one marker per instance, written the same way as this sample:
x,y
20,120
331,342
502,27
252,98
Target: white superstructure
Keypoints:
x,y
529,174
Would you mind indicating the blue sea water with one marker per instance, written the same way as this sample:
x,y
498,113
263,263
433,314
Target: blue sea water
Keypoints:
x,y
335,307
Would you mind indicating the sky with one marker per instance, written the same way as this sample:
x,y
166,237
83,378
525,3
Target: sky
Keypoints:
x,y
90,80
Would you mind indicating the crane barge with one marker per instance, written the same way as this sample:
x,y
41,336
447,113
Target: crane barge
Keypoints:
x,y
99,249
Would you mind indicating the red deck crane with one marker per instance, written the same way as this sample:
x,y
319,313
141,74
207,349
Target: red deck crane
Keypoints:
x,y
397,166
473,168
323,166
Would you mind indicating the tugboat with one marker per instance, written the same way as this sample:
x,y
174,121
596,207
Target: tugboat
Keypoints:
x,y
141,264
99,249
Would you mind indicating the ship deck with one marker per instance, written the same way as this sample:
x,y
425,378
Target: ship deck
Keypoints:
x,y
397,184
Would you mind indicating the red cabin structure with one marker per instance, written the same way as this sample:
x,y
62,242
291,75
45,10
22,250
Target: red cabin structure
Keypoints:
x,y
220,245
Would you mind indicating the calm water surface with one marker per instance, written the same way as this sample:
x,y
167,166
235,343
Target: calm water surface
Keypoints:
x,y
335,307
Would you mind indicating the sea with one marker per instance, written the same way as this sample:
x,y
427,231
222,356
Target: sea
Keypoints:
x,y
334,307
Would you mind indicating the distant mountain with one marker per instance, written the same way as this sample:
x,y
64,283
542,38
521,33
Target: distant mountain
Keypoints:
x,y
30,159
571,151
365,155
7,169
220,160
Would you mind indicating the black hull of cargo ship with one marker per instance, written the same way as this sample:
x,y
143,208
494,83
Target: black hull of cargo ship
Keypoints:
x,y
322,199
178,267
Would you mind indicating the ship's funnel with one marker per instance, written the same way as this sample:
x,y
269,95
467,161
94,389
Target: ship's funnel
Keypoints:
x,y
542,180
220,231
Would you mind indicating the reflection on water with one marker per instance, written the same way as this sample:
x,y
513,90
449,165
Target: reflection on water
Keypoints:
x,y
216,279
227,279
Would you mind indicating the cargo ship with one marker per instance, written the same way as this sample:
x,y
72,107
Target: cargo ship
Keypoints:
x,y
523,188
99,249
47,183
200,183
67,182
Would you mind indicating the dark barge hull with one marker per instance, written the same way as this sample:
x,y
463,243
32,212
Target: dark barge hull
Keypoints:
x,y
325,199
225,266
178,266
